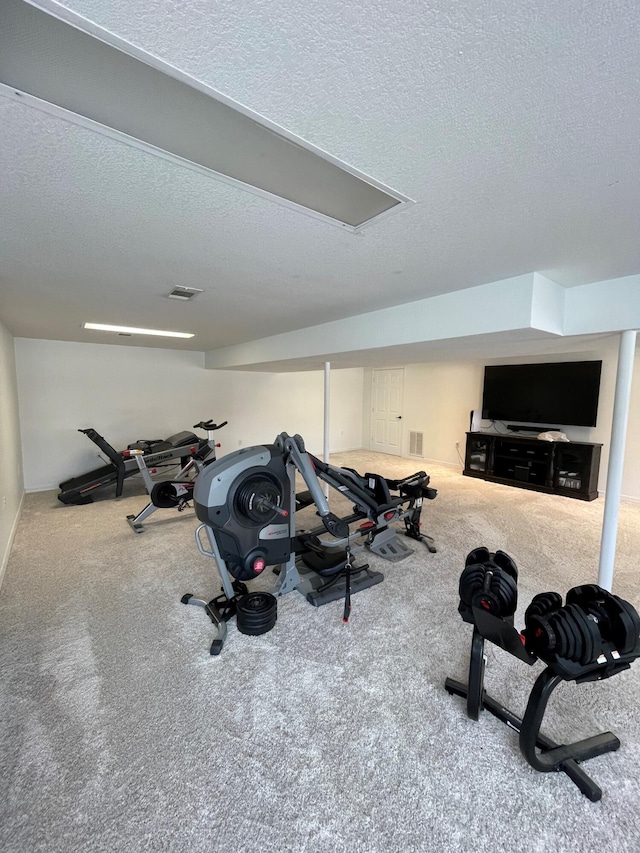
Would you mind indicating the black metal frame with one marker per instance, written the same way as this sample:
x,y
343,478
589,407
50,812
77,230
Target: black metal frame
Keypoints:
x,y
542,753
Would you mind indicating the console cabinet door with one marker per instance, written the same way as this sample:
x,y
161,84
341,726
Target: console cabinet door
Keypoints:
x,y
576,470
524,461
478,455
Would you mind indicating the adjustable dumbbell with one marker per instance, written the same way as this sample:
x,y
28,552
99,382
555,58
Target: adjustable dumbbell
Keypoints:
x,y
617,620
577,630
489,581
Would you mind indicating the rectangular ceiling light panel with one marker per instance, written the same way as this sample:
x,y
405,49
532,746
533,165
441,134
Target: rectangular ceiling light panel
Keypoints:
x,y
57,63
132,330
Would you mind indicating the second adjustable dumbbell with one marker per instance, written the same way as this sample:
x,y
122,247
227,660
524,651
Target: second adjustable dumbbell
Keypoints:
x,y
489,581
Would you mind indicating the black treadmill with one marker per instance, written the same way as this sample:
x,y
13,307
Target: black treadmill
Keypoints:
x,y
78,490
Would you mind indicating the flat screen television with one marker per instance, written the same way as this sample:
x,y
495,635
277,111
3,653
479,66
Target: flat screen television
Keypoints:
x,y
563,393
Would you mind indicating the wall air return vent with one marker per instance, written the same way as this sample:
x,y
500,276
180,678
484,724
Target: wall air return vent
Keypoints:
x,y
54,60
416,440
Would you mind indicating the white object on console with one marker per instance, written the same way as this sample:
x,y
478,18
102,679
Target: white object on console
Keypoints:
x,y
552,435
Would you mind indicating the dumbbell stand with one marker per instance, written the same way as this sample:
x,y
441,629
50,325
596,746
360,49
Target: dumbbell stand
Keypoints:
x,y
552,756
474,691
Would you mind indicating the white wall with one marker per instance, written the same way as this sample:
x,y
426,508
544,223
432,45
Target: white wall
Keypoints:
x,y
11,482
442,404
486,309
127,393
518,304
438,398
133,392
605,349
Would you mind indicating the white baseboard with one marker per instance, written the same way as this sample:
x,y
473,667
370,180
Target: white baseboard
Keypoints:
x,y
456,465
7,552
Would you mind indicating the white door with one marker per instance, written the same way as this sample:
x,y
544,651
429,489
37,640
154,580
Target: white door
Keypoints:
x,y
386,417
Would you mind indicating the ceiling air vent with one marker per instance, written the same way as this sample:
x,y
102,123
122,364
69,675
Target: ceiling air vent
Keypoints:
x,y
184,293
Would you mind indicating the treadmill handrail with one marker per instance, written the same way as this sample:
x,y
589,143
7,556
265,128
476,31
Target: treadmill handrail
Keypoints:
x,y
112,453
104,445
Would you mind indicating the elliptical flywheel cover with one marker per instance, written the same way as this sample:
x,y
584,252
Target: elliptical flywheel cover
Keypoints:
x,y
256,613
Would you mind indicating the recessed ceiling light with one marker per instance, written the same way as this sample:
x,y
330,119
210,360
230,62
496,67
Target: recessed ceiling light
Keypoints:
x,y
128,330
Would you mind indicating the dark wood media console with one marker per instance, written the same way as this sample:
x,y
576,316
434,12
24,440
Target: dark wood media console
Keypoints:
x,y
568,468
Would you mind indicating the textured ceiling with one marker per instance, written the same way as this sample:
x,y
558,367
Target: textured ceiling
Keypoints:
x,y
514,127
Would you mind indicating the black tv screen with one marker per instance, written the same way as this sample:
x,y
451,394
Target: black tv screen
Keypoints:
x,y
563,393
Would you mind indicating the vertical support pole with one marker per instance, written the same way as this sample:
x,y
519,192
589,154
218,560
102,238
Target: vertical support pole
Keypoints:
x,y
626,355
327,419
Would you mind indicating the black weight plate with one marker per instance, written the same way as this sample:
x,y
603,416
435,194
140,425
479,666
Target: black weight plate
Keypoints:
x,y
582,654
634,623
622,628
256,602
544,603
534,608
488,601
584,624
255,498
478,555
540,638
584,595
576,634
506,563
575,626
555,601
504,587
472,573
630,609
470,570
512,587
256,613
565,641
497,589
548,602
551,601
595,635
561,639
470,583
602,616
468,590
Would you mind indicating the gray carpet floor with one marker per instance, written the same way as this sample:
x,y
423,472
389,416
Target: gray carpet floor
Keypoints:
x,y
121,733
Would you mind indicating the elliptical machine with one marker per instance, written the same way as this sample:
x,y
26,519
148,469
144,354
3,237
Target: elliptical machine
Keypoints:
x,y
178,492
